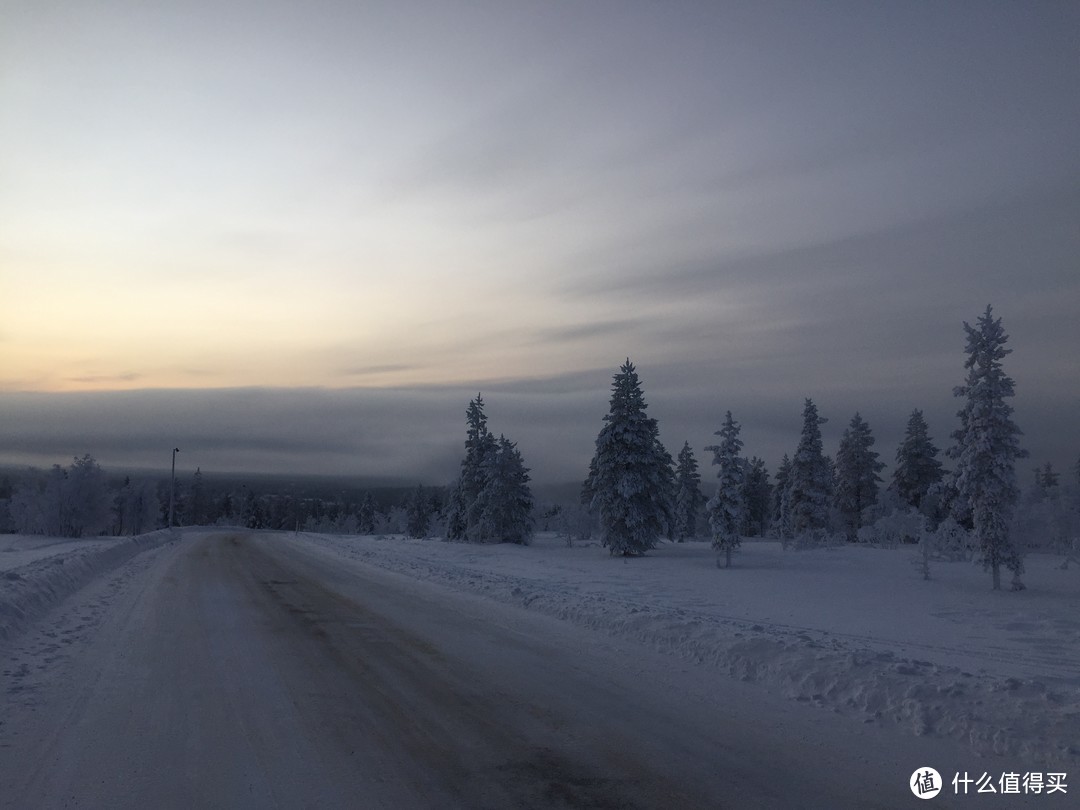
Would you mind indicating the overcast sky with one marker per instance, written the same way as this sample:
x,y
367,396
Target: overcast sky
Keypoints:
x,y
298,237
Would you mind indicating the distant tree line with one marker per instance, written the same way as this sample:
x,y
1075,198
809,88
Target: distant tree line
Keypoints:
x,y
83,500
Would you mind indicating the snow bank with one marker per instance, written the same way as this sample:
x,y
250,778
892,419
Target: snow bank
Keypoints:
x,y
60,568
852,630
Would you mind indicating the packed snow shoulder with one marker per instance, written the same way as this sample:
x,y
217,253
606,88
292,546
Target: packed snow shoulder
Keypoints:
x,y
29,591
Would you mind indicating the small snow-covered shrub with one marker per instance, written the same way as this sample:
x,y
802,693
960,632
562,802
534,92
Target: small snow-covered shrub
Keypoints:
x,y
1045,524
951,542
394,521
575,523
889,531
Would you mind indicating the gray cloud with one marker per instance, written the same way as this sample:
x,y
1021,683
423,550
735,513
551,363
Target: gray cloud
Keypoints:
x,y
106,379
385,368
570,334
417,434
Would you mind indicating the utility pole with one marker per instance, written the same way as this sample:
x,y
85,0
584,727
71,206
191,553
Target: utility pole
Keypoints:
x,y
172,486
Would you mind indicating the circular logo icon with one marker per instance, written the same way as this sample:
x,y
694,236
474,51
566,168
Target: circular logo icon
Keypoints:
x,y
925,783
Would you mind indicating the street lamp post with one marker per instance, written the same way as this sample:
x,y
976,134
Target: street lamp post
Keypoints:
x,y
172,486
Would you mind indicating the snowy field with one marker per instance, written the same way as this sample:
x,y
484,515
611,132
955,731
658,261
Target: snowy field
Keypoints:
x,y
854,630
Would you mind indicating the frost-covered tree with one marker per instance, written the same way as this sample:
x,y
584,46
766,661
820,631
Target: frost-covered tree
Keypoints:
x,y
758,495
6,491
781,500
418,513
27,505
88,499
137,507
198,500
857,479
1046,478
506,502
688,497
727,508
365,519
987,446
810,481
72,502
917,468
630,483
463,512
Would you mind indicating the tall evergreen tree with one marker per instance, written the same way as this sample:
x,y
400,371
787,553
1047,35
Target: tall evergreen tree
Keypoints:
x,y
418,513
857,479
727,508
136,507
917,467
781,499
365,519
463,511
1046,478
630,481
506,502
758,496
688,497
987,447
810,483
199,501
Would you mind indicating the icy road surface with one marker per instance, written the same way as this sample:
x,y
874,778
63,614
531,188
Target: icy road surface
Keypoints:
x,y
234,670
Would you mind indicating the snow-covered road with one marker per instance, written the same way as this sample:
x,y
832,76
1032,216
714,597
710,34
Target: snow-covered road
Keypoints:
x,y
239,670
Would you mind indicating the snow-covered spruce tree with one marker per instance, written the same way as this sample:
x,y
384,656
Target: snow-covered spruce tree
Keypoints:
x,y
810,479
505,503
757,493
1046,478
688,497
857,479
727,508
630,483
199,502
987,447
781,500
462,510
917,468
365,518
72,502
418,511
137,508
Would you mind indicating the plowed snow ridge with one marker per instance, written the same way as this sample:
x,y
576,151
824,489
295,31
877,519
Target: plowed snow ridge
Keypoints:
x,y
30,591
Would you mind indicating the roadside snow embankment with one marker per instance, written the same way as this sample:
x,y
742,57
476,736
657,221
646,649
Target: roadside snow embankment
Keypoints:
x,y
58,570
853,630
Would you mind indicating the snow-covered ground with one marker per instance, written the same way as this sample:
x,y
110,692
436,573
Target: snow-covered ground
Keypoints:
x,y
38,573
854,630
20,549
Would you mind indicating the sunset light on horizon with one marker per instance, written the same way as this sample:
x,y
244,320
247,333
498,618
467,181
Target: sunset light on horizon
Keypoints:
x,y
757,202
